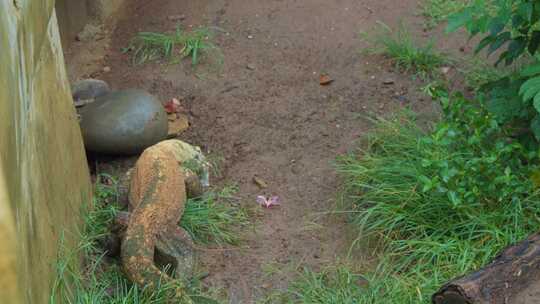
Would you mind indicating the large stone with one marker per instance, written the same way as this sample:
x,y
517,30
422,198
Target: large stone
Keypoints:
x,y
123,122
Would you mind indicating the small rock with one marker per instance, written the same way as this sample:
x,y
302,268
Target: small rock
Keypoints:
x,y
89,89
181,17
325,80
402,99
260,182
250,36
123,122
388,81
89,32
250,66
177,126
445,70
106,69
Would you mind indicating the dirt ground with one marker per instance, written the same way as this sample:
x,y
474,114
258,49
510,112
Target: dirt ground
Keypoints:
x,y
265,112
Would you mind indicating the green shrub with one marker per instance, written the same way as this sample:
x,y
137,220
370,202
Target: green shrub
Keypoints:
x,y
439,202
512,26
511,23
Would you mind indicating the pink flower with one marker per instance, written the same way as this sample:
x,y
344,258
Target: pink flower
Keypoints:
x,y
268,203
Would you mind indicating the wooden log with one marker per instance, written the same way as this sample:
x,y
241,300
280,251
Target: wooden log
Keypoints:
x,y
501,282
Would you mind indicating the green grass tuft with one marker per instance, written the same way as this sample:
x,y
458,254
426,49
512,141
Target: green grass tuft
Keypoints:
x,y
477,73
437,11
211,218
407,54
150,46
329,286
333,285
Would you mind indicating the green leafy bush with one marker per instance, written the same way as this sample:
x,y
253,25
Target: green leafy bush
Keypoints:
x,y
441,202
512,25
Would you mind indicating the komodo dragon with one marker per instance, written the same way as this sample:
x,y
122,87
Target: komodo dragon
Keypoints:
x,y
157,198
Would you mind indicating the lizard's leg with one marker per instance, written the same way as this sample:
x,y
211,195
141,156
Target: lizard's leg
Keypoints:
x,y
175,247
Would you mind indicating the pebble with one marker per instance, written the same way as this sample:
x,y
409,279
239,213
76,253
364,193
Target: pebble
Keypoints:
x,y
388,81
176,17
107,69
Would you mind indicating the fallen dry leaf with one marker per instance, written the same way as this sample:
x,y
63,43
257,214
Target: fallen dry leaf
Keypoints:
x,y
178,126
260,182
325,80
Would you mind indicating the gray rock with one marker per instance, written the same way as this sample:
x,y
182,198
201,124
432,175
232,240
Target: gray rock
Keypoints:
x,y
89,89
123,122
